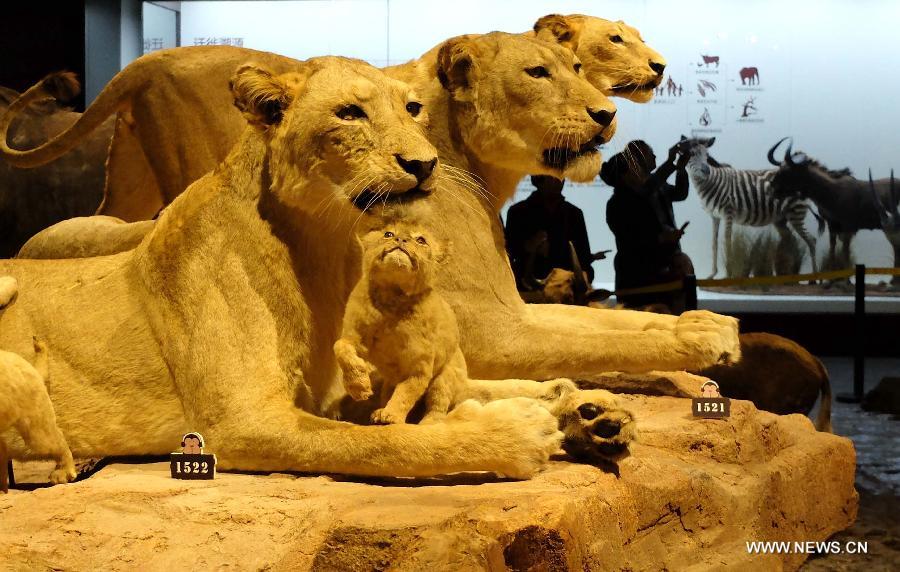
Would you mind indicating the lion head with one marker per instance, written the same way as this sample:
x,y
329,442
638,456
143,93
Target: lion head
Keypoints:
x,y
401,257
522,104
615,58
340,125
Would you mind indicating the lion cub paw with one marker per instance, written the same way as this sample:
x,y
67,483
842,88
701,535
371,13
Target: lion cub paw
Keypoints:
x,y
385,416
359,388
596,426
62,475
709,338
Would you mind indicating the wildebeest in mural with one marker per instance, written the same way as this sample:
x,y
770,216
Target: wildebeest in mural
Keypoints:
x,y
749,76
709,60
847,204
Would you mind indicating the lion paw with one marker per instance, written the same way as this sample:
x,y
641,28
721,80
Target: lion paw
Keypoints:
x,y
526,433
709,338
386,417
595,426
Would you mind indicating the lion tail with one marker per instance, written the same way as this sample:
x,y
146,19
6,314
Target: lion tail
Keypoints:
x,y
823,419
62,86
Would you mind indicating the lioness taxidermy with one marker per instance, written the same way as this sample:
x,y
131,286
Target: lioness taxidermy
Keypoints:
x,y
223,319
399,330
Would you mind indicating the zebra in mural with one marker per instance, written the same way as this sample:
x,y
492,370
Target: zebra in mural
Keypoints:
x,y
743,197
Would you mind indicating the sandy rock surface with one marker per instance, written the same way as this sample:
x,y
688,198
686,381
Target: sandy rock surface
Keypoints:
x,y
690,496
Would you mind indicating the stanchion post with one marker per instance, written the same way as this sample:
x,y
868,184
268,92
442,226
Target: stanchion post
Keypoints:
x,y
859,356
859,345
690,292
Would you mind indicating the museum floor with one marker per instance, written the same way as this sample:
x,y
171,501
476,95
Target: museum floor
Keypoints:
x,y
876,438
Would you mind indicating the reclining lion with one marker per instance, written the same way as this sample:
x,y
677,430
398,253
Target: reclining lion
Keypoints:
x,y
223,319
494,100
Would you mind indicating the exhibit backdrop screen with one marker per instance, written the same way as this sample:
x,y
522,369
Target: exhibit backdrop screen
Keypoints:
x,y
825,75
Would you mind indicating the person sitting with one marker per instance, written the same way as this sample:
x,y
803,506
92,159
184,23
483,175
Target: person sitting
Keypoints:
x,y
538,232
640,215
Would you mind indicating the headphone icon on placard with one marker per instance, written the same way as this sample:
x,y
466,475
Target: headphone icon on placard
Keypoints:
x,y
197,436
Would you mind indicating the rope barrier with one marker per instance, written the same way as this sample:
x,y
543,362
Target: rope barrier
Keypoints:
x,y
675,285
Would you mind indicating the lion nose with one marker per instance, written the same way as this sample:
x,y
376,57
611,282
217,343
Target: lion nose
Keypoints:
x,y
606,429
602,116
658,67
421,170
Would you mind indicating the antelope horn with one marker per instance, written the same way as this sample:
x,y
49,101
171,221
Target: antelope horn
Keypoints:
x,y
883,212
789,154
771,154
580,286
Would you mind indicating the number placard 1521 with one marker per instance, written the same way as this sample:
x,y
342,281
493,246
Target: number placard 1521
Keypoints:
x,y
711,407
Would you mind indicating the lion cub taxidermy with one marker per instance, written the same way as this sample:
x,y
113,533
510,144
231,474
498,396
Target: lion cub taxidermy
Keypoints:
x,y
25,406
398,331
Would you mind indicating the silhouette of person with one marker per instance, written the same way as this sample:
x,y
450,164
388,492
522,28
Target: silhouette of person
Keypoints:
x,y
640,215
538,231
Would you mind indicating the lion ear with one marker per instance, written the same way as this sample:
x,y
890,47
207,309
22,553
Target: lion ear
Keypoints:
x,y
563,30
456,66
260,95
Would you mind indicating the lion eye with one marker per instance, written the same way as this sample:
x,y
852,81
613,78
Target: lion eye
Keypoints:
x,y
538,71
414,107
421,240
388,234
577,68
617,39
351,112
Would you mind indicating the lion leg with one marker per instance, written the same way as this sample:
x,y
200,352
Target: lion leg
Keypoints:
x,y
510,437
550,341
354,369
37,426
4,467
405,396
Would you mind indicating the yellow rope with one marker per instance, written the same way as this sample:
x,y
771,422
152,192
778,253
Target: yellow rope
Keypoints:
x,y
758,280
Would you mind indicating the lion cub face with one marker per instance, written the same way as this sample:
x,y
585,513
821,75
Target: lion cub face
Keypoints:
x,y
401,257
338,130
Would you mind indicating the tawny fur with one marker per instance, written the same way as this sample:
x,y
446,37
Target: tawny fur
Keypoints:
x,y
224,318
494,127
618,69
398,330
25,407
83,237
